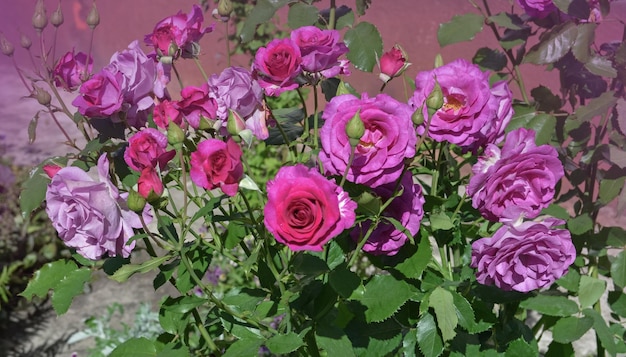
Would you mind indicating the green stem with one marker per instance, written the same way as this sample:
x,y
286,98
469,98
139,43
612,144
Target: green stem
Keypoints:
x,y
180,81
362,241
197,62
315,118
345,173
205,333
227,44
332,15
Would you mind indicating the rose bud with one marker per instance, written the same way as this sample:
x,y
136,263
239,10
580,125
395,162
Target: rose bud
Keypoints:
x,y
40,20
355,129
393,63
93,19
149,185
51,169
56,19
418,116
25,41
435,98
135,201
42,96
5,46
225,8
235,123
175,135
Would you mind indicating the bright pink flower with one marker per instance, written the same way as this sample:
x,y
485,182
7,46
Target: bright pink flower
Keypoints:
x,y
167,112
305,210
196,103
147,149
71,70
51,169
149,185
217,164
393,63
101,95
277,66
320,50
523,258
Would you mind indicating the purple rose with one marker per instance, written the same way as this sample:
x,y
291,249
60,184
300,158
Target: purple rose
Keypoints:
x,y
526,257
320,50
502,99
467,107
101,95
277,66
71,70
517,181
89,215
195,104
235,89
305,210
537,8
407,209
388,140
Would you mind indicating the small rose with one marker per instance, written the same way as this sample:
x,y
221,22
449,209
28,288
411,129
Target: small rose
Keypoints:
x,y
101,95
277,65
196,104
537,9
217,164
235,89
147,148
71,70
149,185
320,50
166,112
393,63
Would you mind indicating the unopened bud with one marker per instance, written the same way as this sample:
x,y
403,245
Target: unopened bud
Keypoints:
x,y
435,98
135,202
40,19
235,123
355,129
56,19
5,46
204,123
175,135
172,50
43,97
93,19
225,8
438,60
25,41
343,88
418,116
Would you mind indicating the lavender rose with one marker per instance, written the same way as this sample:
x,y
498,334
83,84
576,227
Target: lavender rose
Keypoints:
x,y
502,100
305,210
235,89
388,140
320,51
89,215
526,257
407,209
71,69
100,96
515,182
467,106
537,8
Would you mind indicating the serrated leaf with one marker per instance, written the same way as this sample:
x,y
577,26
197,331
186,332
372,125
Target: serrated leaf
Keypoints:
x,y
601,66
596,106
508,21
571,328
383,296
282,344
617,301
301,14
413,266
72,285
344,281
126,271
560,350
553,44
33,191
550,305
580,224
570,281
618,269
488,58
460,28
428,339
521,348
584,39
47,278
333,341
603,333
440,221
465,315
244,347
136,347
365,44
590,290
442,302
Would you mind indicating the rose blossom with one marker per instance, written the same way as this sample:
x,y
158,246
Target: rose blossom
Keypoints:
x,y
235,89
517,181
89,215
523,258
392,63
217,164
537,8
407,209
101,95
71,70
181,30
320,50
149,184
277,66
147,149
502,100
305,210
167,112
388,140
467,107
196,103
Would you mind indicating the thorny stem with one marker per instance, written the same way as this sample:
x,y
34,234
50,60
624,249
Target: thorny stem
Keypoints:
x,y
70,142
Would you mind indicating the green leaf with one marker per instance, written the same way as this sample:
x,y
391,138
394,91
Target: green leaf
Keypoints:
x,y
72,285
33,190
301,14
307,264
618,269
440,221
245,300
200,259
442,301
383,296
556,210
235,233
362,5
571,328
345,20
550,305
136,347
590,290
183,304
333,341
596,106
465,315
428,339
413,266
603,333
261,13
282,344
545,100
289,120
581,224
584,39
365,45
610,188
553,45
488,58
207,209
570,281
508,21
409,344
601,66
460,28
557,349
126,271
244,347
521,348
617,301
47,278
343,280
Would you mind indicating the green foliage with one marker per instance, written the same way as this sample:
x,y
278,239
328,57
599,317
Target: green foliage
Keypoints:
x,y
365,45
460,28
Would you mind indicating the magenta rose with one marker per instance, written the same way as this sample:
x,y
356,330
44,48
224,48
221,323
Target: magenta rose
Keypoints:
x,y
537,9
320,50
217,164
235,89
305,210
277,66
523,258
167,112
467,107
91,216
407,209
517,181
392,63
195,104
181,30
71,70
502,100
149,184
147,148
101,95
388,140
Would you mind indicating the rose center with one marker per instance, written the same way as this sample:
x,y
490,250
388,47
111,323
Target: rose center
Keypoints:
x,y
453,103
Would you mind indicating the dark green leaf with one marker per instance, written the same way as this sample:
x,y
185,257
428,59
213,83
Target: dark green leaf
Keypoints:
x,y
584,39
576,8
571,328
601,66
365,45
413,266
546,101
72,285
200,258
460,28
333,341
245,300
590,290
375,339
428,339
244,347
488,58
553,45
465,314
617,301
383,296
33,191
595,107
48,277
618,269
235,233
301,14
550,305
282,344
362,5
521,348
580,224
183,304
122,274
289,120
136,347
442,302
603,333
261,13
508,21
610,188
343,281
307,264
560,350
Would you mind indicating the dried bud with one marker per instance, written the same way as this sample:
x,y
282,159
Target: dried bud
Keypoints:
x,y
355,129
418,116
43,97
135,202
93,19
235,123
25,41
435,98
6,46
56,19
40,19
225,8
